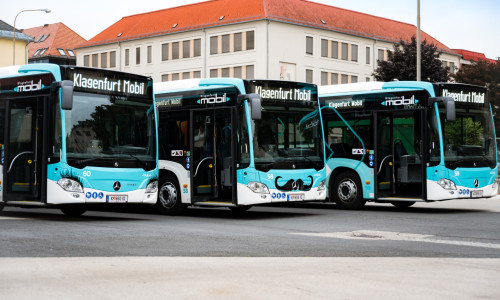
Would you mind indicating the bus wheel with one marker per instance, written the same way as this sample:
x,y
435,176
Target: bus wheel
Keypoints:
x,y
347,191
73,210
402,204
169,197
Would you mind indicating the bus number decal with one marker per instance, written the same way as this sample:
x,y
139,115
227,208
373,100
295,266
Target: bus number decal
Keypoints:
x,y
464,192
87,173
270,176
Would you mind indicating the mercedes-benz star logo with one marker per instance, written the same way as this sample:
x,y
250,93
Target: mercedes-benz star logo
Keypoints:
x,y
476,182
117,186
295,185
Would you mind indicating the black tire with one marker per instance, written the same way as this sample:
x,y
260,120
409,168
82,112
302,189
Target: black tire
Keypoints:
x,y
240,209
347,191
169,197
73,210
402,204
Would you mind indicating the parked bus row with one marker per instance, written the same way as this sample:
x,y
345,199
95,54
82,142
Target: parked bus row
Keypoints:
x,y
74,137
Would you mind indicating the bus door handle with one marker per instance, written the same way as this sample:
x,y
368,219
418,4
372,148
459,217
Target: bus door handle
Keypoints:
x,y
15,157
382,163
198,166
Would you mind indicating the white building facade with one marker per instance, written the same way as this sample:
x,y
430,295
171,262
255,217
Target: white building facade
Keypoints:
x,y
264,48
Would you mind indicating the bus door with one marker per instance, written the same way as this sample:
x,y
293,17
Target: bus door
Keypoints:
x,y
213,170
399,163
23,158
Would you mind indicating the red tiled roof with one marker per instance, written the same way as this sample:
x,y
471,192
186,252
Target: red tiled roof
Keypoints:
x,y
302,12
473,56
59,36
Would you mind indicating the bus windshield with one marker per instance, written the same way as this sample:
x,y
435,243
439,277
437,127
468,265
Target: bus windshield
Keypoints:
x,y
469,140
287,138
103,130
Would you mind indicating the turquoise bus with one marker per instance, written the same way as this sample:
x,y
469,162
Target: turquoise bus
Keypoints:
x,y
407,142
237,143
75,136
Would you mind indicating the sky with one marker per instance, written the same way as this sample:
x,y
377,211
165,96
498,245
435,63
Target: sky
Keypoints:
x,y
459,24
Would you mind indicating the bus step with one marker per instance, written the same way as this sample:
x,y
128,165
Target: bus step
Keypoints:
x,y
214,203
391,199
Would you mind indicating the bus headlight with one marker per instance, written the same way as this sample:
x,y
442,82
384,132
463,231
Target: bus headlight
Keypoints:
x,y
447,184
152,187
322,185
258,187
70,185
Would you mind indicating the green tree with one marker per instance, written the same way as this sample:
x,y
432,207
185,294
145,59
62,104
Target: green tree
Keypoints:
x,y
484,73
401,64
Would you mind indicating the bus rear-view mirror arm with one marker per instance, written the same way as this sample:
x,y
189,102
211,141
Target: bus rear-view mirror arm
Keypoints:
x,y
66,87
449,106
255,105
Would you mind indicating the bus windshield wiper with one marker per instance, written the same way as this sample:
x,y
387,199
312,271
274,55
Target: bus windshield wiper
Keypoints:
x,y
143,163
83,161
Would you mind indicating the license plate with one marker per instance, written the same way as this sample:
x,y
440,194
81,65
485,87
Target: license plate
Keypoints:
x,y
476,194
296,197
116,198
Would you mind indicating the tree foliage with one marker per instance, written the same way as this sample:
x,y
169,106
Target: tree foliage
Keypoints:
x,y
402,63
484,73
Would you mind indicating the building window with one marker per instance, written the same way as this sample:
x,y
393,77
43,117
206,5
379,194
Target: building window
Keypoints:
x,y
452,67
324,78
214,73
345,51
354,79
309,76
138,56
150,54
344,79
164,77
197,47
225,72
334,78
309,45
237,72
225,43
368,52
367,79
95,60
197,74
238,42
127,57
61,51
104,60
324,48
186,75
335,49
186,49
175,50
175,76
86,60
380,54
71,52
354,52
112,59
250,40
164,52
250,72
214,45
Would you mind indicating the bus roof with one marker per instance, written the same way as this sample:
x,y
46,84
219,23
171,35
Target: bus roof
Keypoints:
x,y
194,84
374,86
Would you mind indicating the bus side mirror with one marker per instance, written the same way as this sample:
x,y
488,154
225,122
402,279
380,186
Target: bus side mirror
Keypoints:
x,y
66,93
255,105
449,106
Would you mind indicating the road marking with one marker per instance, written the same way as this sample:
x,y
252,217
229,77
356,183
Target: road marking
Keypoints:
x,y
396,236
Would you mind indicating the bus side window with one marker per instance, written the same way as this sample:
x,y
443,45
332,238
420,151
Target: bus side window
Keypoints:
x,y
173,133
